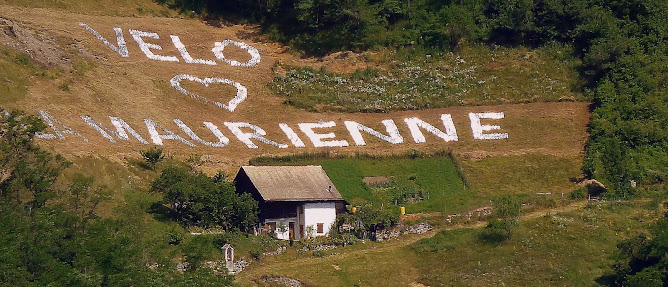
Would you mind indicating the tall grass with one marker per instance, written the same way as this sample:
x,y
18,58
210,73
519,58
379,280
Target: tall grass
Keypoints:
x,y
476,75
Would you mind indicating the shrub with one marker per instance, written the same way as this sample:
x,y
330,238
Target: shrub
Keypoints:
x,y
579,193
195,198
495,232
152,157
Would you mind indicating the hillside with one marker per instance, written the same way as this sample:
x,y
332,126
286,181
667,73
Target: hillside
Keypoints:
x,y
452,124
93,80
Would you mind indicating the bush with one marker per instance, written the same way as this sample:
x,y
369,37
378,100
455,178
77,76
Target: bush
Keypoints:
x,y
369,218
195,198
174,237
495,232
579,193
343,239
152,157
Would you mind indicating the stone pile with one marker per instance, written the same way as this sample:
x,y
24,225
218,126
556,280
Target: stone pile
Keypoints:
x,y
283,281
419,228
279,250
240,265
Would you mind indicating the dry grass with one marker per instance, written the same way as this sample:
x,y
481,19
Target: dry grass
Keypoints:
x,y
136,88
132,8
529,173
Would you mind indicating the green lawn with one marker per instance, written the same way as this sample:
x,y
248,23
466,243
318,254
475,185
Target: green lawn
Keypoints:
x,y
437,176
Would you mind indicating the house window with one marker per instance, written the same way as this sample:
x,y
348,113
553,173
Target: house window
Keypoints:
x,y
321,228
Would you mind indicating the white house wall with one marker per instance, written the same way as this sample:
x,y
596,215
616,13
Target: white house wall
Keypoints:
x,y
321,212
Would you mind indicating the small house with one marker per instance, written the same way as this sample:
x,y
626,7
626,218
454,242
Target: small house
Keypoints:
x,y
294,201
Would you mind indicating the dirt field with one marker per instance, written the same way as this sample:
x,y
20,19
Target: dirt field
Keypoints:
x,y
136,88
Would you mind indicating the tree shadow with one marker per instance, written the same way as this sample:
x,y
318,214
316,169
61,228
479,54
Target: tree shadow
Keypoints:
x,y
160,212
606,280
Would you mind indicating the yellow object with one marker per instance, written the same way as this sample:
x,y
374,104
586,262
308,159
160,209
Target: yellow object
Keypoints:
x,y
354,209
402,210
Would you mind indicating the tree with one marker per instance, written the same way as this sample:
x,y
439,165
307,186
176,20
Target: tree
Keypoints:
x,y
27,172
499,228
152,156
48,240
642,260
83,197
195,198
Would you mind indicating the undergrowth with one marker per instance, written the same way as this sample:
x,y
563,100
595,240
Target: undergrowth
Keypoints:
x,y
475,75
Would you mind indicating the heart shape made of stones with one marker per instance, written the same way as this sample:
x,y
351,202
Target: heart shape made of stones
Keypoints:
x,y
242,93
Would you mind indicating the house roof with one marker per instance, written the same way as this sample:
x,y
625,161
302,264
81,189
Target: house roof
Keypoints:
x,y
292,183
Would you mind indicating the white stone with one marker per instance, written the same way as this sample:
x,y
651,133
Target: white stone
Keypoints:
x,y
220,46
292,136
157,138
414,125
186,56
479,129
109,134
393,136
52,122
122,48
222,140
231,105
257,134
318,139
146,47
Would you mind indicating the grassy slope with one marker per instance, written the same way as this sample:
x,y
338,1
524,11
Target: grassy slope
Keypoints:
x,y
563,248
570,248
492,176
17,72
522,174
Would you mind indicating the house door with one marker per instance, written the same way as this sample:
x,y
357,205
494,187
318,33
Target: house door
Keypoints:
x,y
292,230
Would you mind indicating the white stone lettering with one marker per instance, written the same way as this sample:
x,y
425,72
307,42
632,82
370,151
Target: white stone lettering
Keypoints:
x,y
478,128
52,122
222,140
294,138
146,47
122,48
414,125
317,139
245,138
186,56
220,46
109,134
157,137
393,136
231,105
